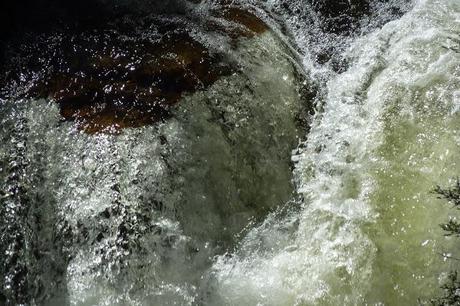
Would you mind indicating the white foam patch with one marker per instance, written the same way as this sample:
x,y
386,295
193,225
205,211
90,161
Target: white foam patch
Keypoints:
x,y
329,258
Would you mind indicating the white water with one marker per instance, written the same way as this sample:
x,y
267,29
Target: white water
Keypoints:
x,y
141,214
363,228
367,227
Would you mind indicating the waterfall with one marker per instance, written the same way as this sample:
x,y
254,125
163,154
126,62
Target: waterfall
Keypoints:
x,y
243,153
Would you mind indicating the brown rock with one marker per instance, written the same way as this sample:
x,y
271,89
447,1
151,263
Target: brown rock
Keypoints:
x,y
110,77
248,20
246,23
130,84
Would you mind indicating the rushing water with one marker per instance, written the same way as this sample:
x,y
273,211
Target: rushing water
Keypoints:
x,y
206,208
367,230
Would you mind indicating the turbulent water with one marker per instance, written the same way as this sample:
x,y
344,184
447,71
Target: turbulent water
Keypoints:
x,y
367,229
235,200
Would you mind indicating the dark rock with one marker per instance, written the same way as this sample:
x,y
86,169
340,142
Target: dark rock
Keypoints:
x,y
111,77
102,81
249,23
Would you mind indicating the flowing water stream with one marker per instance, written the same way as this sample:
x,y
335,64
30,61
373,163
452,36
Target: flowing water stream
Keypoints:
x,y
297,174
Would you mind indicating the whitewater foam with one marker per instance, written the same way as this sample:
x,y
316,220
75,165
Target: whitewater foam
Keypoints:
x,y
334,258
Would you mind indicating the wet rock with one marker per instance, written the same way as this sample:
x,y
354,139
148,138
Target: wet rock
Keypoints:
x,y
247,23
103,82
110,78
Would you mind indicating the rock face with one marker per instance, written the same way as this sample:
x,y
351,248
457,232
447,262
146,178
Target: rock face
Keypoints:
x,y
135,151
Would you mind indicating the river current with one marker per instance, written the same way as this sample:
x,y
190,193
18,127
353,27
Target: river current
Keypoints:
x,y
302,177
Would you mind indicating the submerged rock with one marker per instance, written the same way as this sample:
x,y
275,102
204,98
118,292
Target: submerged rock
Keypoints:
x,y
105,82
249,24
119,76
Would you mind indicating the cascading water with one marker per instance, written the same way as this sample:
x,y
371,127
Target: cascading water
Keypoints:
x,y
237,196
367,229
